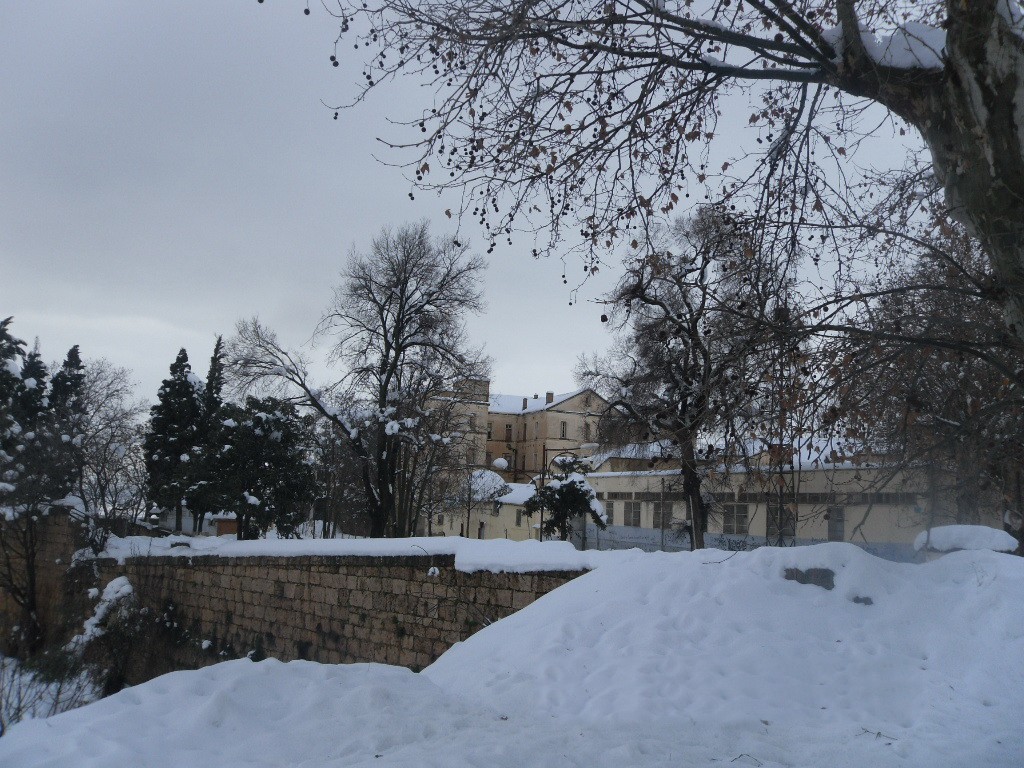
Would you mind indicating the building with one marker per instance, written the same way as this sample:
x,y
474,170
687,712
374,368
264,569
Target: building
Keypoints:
x,y
527,432
491,518
820,498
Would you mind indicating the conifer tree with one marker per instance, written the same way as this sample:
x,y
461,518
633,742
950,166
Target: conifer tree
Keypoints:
x,y
67,387
207,491
267,476
38,461
173,436
566,498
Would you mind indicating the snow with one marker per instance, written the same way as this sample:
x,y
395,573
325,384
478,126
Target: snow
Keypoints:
x,y
496,555
514,403
117,590
689,659
518,494
948,538
910,46
485,485
500,464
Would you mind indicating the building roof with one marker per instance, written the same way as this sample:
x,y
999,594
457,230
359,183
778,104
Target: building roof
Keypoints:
x,y
513,404
520,493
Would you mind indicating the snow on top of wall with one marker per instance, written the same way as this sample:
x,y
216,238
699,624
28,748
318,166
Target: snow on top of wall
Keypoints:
x,y
496,555
949,538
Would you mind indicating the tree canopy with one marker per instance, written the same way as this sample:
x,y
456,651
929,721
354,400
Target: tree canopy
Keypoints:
x,y
584,120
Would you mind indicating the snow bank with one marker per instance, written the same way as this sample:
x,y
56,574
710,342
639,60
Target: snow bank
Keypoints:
x,y
727,653
690,659
497,555
949,538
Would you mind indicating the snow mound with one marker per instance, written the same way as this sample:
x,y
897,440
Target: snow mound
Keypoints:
x,y
949,538
810,656
712,640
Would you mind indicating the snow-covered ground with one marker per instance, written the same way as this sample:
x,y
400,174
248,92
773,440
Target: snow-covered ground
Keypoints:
x,y
689,659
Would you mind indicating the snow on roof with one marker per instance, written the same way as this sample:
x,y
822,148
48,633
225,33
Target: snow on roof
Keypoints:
x,y
514,403
949,538
659,449
520,493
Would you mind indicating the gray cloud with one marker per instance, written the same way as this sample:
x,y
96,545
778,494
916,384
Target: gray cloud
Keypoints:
x,y
168,168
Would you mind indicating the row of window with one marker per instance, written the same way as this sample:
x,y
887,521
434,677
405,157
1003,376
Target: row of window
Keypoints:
x,y
563,431
663,514
781,520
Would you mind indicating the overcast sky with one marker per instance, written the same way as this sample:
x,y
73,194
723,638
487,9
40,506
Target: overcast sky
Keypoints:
x,y
167,168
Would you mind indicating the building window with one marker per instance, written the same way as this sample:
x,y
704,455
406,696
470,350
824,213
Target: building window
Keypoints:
x,y
536,430
519,518
609,512
734,518
472,422
781,521
508,433
508,459
440,519
490,429
489,459
836,523
658,508
586,431
631,513
564,430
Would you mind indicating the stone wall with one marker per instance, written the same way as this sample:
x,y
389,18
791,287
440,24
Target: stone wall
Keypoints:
x,y
51,540
393,610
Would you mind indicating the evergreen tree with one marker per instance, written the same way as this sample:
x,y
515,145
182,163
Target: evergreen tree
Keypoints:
x,y
67,388
266,469
207,492
172,439
38,461
565,499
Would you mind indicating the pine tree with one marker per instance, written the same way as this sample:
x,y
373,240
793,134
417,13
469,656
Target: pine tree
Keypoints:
x,y
173,437
67,387
207,491
566,498
38,461
268,478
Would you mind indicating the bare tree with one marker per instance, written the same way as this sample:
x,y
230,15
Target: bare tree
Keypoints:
x,y
396,324
689,364
112,479
603,115
934,386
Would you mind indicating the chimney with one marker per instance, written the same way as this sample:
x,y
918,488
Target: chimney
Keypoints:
x,y
549,397
525,401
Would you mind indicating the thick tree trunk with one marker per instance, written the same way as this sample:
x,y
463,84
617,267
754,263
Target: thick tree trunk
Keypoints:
x,y
691,490
971,115
973,125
